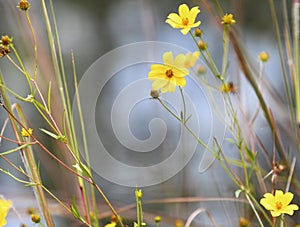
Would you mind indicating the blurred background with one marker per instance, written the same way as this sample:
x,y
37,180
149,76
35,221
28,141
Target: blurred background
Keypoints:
x,y
91,29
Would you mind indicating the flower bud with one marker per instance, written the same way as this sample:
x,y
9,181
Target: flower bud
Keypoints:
x,y
264,56
154,93
23,5
198,32
36,218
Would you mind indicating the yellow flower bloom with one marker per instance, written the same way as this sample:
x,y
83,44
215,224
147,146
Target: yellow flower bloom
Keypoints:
x,y
5,205
185,19
279,203
167,76
228,19
112,224
27,133
191,59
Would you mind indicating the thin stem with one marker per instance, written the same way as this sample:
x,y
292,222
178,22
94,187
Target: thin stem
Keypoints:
x,y
34,44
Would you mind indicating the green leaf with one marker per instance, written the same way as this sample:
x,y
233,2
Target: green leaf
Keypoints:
x,y
51,134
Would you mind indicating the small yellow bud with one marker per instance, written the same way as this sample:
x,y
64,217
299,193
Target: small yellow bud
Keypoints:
x,y
264,56
35,218
138,194
202,45
244,222
198,32
23,5
157,219
30,210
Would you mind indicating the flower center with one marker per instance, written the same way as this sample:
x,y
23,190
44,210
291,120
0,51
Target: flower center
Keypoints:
x,y
185,21
169,73
278,205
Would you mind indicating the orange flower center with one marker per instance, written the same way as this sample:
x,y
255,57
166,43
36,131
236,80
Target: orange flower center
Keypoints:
x,y
169,73
185,21
278,205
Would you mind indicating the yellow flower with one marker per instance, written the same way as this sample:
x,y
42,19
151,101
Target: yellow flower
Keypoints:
x,y
279,203
185,19
228,19
5,205
26,133
167,76
191,59
112,224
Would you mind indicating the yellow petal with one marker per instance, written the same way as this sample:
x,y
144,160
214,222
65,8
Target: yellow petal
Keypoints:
x,y
290,209
170,86
275,213
195,25
286,198
159,83
183,10
179,61
180,72
158,68
184,31
193,14
174,20
181,81
266,203
168,58
154,76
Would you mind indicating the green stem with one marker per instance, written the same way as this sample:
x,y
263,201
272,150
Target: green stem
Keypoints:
x,y
296,61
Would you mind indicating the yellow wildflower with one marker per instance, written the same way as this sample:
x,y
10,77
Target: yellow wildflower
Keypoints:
x,y
112,224
185,19
167,76
26,133
5,205
279,203
228,19
191,59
